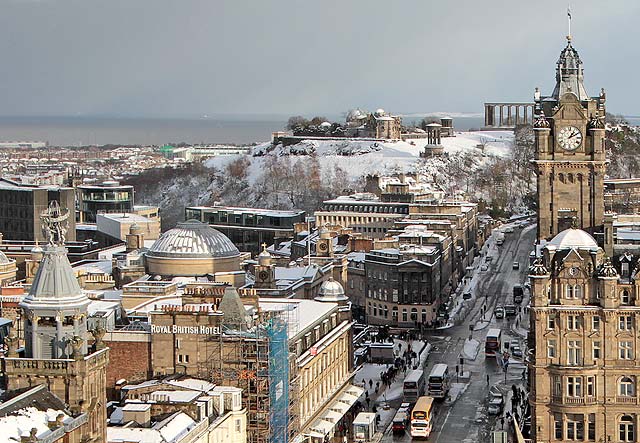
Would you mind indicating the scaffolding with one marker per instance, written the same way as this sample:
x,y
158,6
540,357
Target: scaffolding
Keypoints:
x,y
257,359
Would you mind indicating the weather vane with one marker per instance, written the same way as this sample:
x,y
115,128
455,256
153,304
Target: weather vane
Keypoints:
x,y
54,224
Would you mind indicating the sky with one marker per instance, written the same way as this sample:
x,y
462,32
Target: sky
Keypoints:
x,y
188,58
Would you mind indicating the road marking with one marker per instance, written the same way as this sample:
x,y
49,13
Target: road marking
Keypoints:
x,y
443,423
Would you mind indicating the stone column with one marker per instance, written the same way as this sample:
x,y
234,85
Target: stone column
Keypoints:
x,y
35,349
526,120
501,120
517,115
57,352
486,115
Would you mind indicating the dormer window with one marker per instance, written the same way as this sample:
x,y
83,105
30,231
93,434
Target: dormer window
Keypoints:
x,y
624,268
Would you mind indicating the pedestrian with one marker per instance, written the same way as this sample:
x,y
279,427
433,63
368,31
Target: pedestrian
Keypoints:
x,y
487,379
370,383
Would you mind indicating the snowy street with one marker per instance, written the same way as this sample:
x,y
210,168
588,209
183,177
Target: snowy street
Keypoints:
x,y
464,411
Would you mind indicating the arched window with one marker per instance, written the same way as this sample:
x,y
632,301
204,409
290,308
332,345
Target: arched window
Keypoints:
x,y
626,387
626,428
561,177
625,299
414,314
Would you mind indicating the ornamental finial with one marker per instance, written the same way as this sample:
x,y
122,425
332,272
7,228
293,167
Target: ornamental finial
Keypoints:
x,y
54,224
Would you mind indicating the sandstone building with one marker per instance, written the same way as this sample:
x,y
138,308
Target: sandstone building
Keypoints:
x,y
570,153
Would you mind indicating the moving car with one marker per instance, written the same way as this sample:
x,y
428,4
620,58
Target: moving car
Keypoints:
x,y
496,402
516,265
510,311
400,421
516,351
499,312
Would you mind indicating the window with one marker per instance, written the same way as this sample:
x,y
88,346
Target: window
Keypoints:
x,y
595,350
592,427
625,350
574,352
575,427
551,349
558,428
551,323
568,291
625,323
626,387
572,322
574,386
626,428
595,323
404,315
238,425
625,299
557,386
591,386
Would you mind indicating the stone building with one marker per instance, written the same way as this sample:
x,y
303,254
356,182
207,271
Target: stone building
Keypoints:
x,y
585,300
569,151
292,358
584,364
57,350
404,286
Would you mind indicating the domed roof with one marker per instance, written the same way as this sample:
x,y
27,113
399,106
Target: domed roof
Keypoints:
x,y
193,239
331,291
573,238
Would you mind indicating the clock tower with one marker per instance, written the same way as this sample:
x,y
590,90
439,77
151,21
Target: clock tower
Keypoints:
x,y
569,152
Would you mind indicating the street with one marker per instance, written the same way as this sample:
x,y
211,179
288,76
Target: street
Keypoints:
x,y
463,416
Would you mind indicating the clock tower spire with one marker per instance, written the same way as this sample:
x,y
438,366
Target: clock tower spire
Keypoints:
x,y
570,156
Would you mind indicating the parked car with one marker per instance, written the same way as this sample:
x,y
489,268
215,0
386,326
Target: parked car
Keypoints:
x,y
516,351
499,312
466,296
484,268
496,402
516,265
510,311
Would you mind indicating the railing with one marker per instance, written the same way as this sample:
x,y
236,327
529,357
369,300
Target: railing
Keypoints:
x,y
627,400
574,400
20,363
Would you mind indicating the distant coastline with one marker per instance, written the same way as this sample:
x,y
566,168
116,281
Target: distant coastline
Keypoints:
x,y
232,129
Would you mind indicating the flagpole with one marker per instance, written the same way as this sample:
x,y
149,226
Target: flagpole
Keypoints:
x,y
569,20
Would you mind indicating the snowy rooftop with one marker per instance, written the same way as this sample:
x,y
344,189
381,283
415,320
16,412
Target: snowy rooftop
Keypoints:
x,y
259,211
301,314
22,421
169,430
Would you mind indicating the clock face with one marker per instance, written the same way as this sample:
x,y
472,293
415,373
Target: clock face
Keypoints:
x,y
573,271
570,138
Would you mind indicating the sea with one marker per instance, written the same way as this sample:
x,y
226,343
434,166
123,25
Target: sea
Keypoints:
x,y
238,130
95,131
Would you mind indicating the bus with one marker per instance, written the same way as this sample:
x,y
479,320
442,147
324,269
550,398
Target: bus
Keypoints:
x,y
439,381
421,417
413,386
493,342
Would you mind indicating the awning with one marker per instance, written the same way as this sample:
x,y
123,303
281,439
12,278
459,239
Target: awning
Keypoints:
x,y
334,411
321,427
